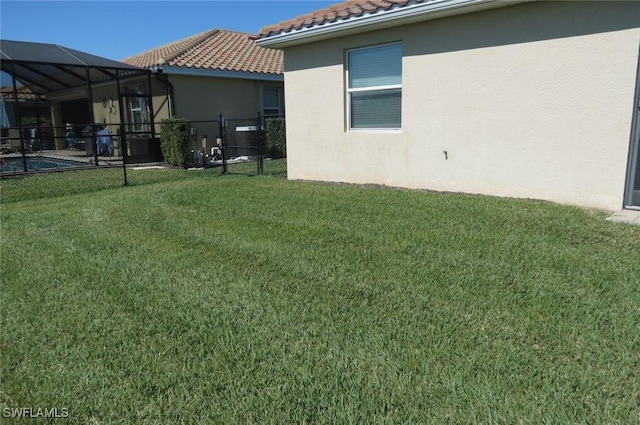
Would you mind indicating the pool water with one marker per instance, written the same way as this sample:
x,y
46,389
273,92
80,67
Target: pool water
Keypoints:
x,y
15,165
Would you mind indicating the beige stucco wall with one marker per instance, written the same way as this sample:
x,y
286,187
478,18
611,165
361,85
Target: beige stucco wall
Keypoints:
x,y
111,113
205,98
533,100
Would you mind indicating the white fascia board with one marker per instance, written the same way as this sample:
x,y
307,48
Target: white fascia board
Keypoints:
x,y
372,21
219,73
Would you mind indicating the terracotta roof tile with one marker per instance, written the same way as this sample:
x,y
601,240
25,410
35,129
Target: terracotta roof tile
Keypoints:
x,y
339,11
216,50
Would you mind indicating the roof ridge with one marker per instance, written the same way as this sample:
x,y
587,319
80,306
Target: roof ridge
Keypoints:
x,y
198,39
195,39
238,32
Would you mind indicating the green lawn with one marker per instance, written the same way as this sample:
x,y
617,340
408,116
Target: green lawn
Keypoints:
x,y
47,185
258,300
71,182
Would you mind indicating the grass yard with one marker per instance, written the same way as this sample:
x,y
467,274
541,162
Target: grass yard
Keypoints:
x,y
259,300
47,185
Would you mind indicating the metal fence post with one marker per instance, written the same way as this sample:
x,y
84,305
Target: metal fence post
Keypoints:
x,y
203,156
94,140
223,139
23,150
259,139
124,147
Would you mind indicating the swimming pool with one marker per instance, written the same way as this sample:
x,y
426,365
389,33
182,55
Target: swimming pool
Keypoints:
x,y
15,164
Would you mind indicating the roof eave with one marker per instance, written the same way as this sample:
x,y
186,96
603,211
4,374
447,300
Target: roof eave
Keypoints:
x,y
219,73
373,21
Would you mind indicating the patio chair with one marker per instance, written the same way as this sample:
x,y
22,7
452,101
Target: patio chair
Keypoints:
x,y
71,139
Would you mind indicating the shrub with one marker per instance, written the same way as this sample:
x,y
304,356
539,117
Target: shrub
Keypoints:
x,y
31,121
174,141
276,137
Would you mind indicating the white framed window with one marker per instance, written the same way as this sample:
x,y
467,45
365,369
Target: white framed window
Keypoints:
x,y
272,100
138,109
374,88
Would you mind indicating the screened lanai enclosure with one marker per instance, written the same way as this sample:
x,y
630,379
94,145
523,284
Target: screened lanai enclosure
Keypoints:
x,y
63,109
74,122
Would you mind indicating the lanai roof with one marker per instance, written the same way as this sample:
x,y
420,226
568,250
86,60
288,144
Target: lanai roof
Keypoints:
x,y
46,68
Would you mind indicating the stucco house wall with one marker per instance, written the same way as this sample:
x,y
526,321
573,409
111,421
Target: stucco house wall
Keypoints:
x,y
204,98
201,100
533,101
195,98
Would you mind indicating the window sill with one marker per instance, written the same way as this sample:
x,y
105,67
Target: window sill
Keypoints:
x,y
375,130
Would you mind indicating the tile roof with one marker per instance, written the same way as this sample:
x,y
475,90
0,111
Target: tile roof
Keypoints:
x,y
337,12
215,50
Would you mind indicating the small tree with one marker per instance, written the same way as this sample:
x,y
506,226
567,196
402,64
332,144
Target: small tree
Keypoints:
x,y
174,141
276,137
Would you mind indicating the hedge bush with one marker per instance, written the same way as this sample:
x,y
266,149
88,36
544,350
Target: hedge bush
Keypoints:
x,y
174,141
276,137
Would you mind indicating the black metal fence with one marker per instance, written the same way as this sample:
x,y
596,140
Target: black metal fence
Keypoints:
x,y
253,147
52,161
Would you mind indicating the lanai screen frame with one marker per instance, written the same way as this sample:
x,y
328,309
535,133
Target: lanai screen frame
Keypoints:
x,y
48,68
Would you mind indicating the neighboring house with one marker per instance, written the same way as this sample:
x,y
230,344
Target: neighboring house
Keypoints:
x,y
211,73
522,99
196,78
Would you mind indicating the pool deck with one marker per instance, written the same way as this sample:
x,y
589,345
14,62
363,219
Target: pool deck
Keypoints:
x,y
77,155
70,155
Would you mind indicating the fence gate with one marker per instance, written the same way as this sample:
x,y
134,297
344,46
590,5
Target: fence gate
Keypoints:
x,y
243,145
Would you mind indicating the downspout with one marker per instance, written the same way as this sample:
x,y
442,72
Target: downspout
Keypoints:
x,y
170,97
